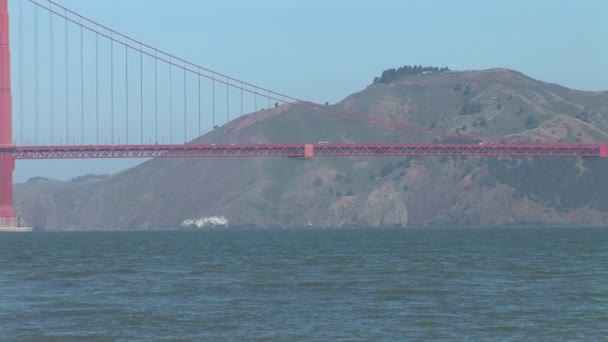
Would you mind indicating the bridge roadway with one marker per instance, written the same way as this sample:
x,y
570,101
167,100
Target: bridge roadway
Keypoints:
x,y
306,150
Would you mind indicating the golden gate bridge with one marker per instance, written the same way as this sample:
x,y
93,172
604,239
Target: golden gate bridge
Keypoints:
x,y
93,92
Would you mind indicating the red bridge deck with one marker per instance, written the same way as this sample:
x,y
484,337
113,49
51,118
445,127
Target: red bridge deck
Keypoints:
x,y
304,150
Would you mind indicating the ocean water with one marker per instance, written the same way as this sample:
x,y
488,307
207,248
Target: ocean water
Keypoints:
x,y
508,284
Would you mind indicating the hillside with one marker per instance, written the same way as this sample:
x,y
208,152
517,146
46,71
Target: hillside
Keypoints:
x,y
363,191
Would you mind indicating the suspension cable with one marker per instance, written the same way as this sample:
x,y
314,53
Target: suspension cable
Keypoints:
x,y
185,108
97,89
81,86
156,96
52,76
199,106
170,104
67,86
112,91
21,60
141,95
127,93
36,78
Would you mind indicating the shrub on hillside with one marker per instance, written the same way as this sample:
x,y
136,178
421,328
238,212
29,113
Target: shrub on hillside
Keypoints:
x,y
392,74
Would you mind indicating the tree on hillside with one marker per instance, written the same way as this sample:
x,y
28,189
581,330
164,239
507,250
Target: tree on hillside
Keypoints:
x,y
392,74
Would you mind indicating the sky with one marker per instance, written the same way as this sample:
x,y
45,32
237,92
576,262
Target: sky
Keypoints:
x,y
324,50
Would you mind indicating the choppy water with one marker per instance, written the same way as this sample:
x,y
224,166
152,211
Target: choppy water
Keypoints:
x,y
456,284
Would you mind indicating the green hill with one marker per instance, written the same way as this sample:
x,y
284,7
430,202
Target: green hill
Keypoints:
x,y
364,191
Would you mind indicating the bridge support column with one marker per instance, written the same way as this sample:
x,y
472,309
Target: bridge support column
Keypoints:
x,y
7,212
7,161
309,150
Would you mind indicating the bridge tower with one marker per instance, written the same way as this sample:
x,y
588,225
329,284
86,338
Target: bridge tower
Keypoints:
x,y
7,161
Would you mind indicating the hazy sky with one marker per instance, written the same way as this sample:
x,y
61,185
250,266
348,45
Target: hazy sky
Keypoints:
x,y
323,50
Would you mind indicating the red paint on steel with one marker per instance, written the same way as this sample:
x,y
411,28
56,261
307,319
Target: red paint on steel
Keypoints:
x,y
300,150
309,151
7,162
604,151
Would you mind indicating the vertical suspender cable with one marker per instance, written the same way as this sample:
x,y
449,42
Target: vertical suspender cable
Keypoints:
x,y
170,101
156,96
112,91
255,99
127,90
239,131
213,99
36,76
227,107
67,85
185,113
52,76
81,85
199,102
141,92
96,86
